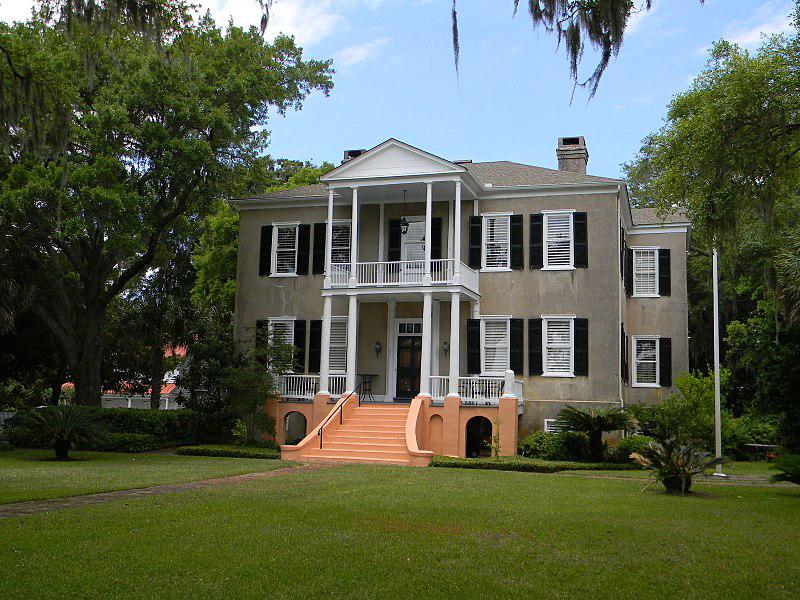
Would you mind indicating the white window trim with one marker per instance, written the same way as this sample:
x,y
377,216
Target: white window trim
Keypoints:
x,y
547,426
634,376
338,371
484,268
545,319
633,271
571,265
484,318
274,249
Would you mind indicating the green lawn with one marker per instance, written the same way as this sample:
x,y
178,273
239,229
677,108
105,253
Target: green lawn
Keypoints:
x,y
30,475
393,532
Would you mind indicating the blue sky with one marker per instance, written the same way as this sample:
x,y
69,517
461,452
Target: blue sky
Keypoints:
x,y
395,76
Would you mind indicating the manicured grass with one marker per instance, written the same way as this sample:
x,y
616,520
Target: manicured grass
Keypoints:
x,y
230,451
394,532
30,475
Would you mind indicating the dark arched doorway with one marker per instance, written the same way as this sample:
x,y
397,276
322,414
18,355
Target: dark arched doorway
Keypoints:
x,y
294,428
479,437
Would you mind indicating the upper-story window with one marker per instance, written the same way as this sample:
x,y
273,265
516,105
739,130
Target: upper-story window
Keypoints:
x,y
558,242
284,249
645,272
495,338
558,334
496,242
340,243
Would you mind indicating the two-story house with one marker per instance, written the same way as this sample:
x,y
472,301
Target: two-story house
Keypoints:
x,y
440,306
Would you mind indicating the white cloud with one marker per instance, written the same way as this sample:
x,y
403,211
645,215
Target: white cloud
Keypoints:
x,y
640,13
771,18
349,57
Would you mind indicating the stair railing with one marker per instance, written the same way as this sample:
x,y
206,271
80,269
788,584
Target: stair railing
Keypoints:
x,y
339,411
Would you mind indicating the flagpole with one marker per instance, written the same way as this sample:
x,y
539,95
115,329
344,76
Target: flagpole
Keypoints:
x,y
717,399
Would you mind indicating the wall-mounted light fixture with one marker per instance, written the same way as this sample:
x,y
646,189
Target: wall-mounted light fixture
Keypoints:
x,y
378,348
403,220
446,347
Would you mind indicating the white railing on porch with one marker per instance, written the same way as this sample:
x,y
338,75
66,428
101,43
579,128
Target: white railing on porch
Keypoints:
x,y
402,272
305,387
478,389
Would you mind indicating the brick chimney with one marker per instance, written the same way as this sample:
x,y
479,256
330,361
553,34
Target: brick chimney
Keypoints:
x,y
572,154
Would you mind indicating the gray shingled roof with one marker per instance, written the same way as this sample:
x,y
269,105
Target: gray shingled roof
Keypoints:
x,y
506,173
652,216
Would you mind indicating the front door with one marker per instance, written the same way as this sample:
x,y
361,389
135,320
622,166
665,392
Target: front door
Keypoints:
x,y
409,354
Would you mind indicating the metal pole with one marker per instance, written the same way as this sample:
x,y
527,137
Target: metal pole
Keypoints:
x,y
717,402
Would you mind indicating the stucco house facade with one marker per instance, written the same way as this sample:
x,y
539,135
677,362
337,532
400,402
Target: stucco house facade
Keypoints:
x,y
475,299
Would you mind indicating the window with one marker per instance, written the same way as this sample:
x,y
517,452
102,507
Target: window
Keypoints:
x,y
645,272
550,426
282,328
495,336
558,252
645,362
340,244
496,241
284,249
558,334
337,361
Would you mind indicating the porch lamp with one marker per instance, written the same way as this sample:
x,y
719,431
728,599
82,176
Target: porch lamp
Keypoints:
x,y
378,348
403,220
446,347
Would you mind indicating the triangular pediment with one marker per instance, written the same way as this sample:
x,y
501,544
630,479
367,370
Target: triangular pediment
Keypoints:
x,y
392,158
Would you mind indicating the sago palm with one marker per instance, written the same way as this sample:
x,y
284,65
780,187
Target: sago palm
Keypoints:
x,y
675,464
594,422
59,427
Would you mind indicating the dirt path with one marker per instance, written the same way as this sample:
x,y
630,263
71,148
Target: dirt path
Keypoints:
x,y
29,507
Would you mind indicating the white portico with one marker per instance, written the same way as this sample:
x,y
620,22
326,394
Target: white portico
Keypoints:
x,y
409,269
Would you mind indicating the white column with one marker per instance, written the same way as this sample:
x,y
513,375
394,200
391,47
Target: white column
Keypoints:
x,y
449,228
428,231
425,358
435,320
390,348
328,240
325,350
354,239
476,309
457,235
380,232
352,342
455,344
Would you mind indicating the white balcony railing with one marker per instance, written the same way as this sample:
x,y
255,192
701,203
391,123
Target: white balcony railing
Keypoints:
x,y
305,387
402,272
481,390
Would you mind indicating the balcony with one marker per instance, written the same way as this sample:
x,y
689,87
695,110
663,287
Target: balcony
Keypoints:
x,y
305,387
475,390
403,273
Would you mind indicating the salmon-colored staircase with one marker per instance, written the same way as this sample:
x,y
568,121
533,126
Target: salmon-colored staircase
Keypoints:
x,y
369,433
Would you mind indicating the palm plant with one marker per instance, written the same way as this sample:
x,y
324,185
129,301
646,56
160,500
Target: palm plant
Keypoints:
x,y
594,422
789,467
674,464
60,427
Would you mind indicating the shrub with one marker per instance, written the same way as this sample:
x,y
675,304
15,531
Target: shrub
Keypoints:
x,y
675,464
789,467
229,451
594,422
57,427
5,445
622,450
747,429
126,442
239,432
528,465
564,445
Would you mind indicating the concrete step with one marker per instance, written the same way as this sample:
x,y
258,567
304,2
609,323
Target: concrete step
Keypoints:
x,y
363,437
351,459
373,429
399,446
358,452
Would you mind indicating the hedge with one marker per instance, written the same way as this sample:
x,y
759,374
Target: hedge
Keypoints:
x,y
126,442
529,465
230,451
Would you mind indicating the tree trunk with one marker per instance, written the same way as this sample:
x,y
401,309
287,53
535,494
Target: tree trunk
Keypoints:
x,y
61,447
596,445
156,376
88,374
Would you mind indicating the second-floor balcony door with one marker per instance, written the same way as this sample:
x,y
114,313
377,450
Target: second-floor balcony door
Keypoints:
x,y
412,250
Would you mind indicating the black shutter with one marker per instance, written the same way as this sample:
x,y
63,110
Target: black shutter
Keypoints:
x,y
314,345
436,238
665,362
581,343
473,346
299,346
517,345
265,252
628,282
664,273
475,233
394,239
622,247
318,256
623,353
303,248
262,327
536,244
581,240
535,347
517,250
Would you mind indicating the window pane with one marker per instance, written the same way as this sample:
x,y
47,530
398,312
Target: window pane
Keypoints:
x,y
646,361
496,241
285,249
495,342
340,249
559,240
558,346
337,361
282,329
644,272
